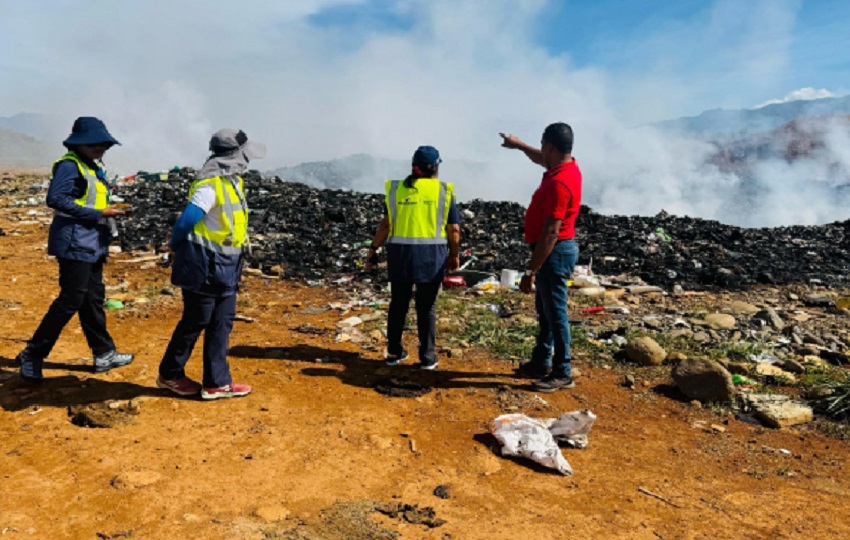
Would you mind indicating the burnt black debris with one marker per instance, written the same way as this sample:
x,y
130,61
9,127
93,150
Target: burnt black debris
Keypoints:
x,y
323,234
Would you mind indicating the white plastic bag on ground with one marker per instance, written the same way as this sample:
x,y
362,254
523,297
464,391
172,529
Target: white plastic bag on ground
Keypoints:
x,y
526,437
572,428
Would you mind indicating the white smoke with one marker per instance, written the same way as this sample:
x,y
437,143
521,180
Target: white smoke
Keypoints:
x,y
164,75
803,94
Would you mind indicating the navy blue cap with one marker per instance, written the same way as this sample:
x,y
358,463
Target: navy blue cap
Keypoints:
x,y
89,130
426,155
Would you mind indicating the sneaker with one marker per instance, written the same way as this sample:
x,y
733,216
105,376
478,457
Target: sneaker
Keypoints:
x,y
184,386
396,359
112,359
30,367
229,391
553,383
430,366
532,370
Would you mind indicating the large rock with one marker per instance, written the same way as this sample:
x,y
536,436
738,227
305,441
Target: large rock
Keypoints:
x,y
769,370
645,351
720,321
779,411
704,380
770,316
739,306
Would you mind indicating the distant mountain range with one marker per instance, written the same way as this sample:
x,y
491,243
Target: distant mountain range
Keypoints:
x,y
22,151
38,126
819,140
722,124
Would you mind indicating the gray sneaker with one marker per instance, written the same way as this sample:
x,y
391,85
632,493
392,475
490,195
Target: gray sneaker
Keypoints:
x,y
552,383
396,359
113,359
429,366
30,367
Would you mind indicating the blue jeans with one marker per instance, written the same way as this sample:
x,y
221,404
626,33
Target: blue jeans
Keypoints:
x,y
553,339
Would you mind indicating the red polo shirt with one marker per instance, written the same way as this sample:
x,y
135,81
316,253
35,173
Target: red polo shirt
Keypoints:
x,y
558,197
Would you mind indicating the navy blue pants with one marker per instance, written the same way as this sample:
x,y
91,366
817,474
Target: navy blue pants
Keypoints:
x,y
213,316
82,293
426,316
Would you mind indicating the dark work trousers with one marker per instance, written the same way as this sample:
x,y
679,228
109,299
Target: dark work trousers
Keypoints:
x,y
82,292
426,316
212,315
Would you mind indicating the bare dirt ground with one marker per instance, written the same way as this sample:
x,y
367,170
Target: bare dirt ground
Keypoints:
x,y
315,452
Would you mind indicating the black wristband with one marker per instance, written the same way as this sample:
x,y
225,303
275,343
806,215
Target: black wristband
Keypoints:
x,y
373,247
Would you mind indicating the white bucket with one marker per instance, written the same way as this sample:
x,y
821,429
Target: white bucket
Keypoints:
x,y
509,278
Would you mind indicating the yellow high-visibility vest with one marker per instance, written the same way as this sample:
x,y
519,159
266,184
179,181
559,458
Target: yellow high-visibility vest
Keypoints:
x,y
418,215
230,197
97,192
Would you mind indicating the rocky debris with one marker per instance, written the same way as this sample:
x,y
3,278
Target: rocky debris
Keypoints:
x,y
400,387
303,232
411,513
645,351
512,400
307,328
778,411
105,414
342,521
704,380
769,316
443,491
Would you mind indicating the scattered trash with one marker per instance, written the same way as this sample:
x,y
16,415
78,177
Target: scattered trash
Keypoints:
x,y
763,358
535,439
454,282
740,380
584,281
113,304
509,278
486,284
818,301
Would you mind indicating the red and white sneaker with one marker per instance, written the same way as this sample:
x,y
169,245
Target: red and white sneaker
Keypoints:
x,y
229,391
183,386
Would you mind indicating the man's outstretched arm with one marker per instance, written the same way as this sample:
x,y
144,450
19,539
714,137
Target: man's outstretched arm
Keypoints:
x,y
512,141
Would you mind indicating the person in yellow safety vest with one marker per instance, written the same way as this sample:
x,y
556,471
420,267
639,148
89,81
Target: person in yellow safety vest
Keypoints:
x,y
209,241
422,231
79,238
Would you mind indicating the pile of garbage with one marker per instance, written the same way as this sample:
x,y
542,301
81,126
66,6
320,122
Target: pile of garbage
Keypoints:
x,y
310,233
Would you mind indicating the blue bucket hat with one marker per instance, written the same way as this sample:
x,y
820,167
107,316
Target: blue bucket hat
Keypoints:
x,y
426,155
89,130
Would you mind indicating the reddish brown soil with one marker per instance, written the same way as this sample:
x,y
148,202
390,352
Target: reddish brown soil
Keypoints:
x,y
274,464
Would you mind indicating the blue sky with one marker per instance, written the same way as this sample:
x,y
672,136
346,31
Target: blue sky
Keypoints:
x,y
690,38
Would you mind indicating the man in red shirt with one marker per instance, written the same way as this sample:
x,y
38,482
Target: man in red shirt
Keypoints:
x,y
550,231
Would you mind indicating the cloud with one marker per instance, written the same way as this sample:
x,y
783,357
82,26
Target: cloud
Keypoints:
x,y
803,94
164,75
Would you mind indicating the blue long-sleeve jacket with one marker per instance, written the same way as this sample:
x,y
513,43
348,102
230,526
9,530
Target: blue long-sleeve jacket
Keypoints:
x,y
80,234
198,269
66,186
185,223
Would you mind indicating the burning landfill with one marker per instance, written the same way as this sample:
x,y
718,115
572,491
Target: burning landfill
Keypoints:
x,y
313,234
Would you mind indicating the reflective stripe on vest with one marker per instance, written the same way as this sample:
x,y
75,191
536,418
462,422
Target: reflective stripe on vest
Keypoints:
x,y
230,199
418,215
97,192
